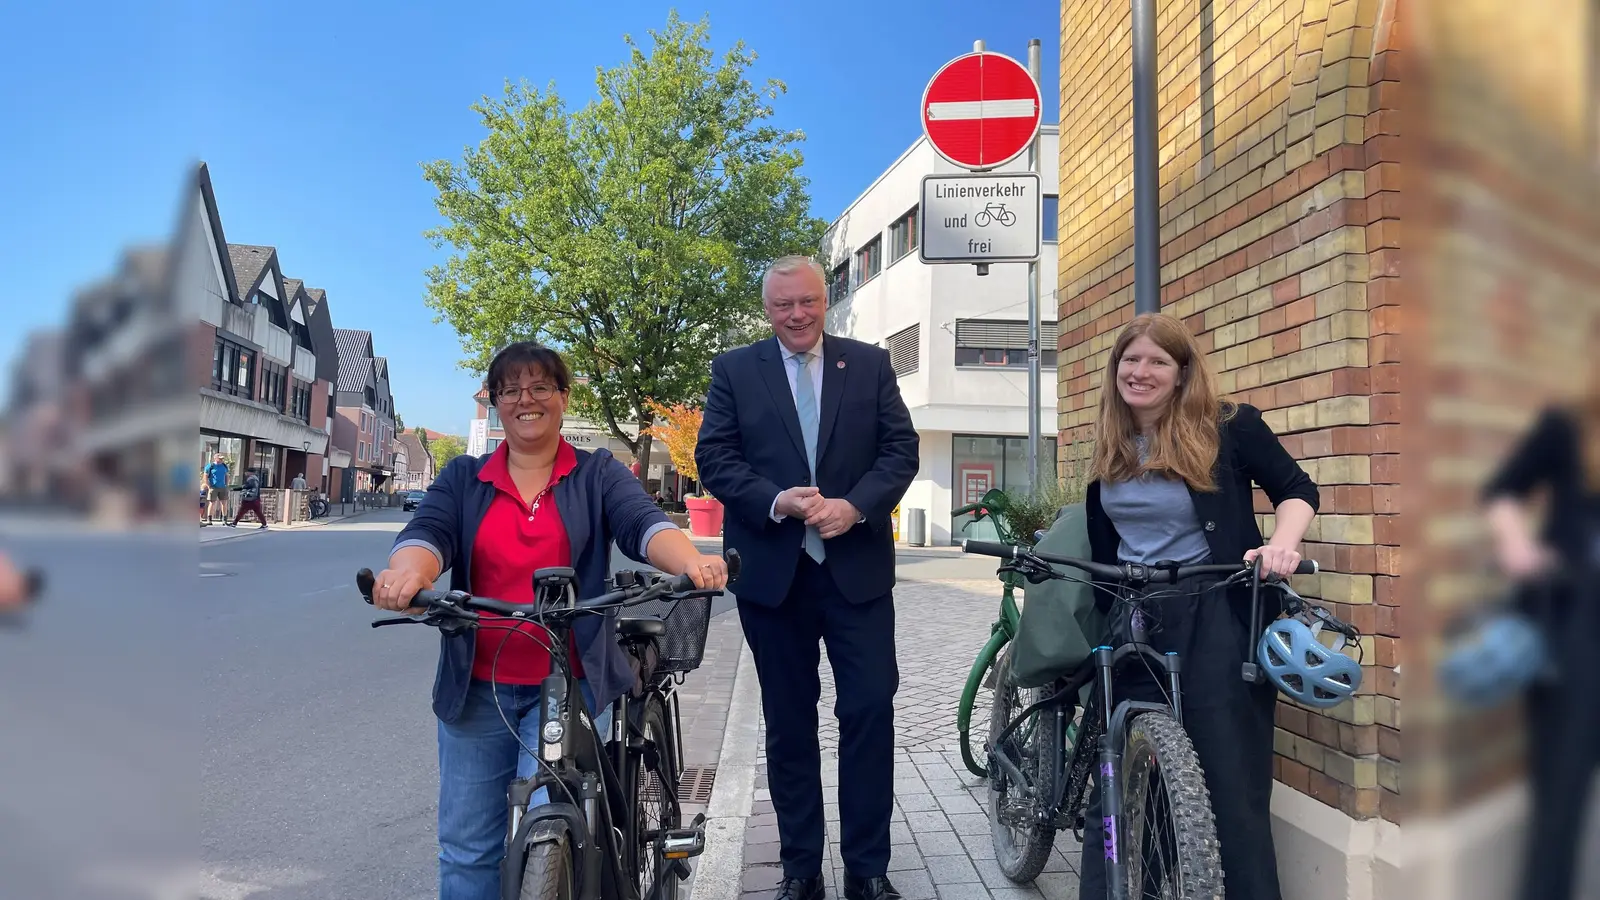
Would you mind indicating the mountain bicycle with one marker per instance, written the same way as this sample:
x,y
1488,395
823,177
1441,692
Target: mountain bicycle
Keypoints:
x,y
613,827
1152,791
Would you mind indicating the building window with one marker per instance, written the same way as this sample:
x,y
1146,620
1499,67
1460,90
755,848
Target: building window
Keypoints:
x,y
839,286
1002,344
981,462
869,260
265,462
274,385
367,394
361,451
274,309
494,444
494,417
232,368
300,402
1047,222
904,348
903,236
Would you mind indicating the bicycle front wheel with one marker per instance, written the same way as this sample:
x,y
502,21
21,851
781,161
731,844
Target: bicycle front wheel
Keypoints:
x,y
1169,835
652,782
547,875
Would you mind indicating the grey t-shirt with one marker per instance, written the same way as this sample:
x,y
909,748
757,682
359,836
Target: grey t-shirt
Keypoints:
x,y
1155,517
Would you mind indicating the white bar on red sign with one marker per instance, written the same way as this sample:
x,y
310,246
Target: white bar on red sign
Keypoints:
x,y
981,109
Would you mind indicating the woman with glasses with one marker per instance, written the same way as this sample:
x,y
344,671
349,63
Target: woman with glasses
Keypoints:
x,y
535,501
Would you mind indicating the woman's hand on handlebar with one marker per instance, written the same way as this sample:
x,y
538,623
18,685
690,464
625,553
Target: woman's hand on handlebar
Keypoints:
x,y
1277,563
708,572
394,589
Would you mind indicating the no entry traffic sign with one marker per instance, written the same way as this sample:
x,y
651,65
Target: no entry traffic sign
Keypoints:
x,y
981,110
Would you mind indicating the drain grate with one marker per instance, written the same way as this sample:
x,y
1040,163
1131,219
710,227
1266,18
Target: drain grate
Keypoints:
x,y
695,784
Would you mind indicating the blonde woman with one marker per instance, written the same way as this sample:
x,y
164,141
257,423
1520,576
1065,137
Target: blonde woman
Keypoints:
x,y
1173,469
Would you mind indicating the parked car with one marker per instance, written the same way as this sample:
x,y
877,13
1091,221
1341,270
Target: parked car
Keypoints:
x,y
413,500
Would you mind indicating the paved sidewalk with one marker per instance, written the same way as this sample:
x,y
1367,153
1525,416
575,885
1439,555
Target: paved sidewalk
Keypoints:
x,y
215,532
940,832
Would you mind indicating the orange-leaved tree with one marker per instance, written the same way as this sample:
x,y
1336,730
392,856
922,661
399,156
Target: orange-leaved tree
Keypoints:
x,y
678,427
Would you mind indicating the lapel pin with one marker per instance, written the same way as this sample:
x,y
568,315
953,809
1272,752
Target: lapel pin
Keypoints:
x,y
840,363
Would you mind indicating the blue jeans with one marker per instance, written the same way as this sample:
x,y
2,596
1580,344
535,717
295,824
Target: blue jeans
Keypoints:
x,y
478,758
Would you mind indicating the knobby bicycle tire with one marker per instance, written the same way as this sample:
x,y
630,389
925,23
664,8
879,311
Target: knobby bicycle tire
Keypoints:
x,y
547,875
1020,854
650,786
1159,764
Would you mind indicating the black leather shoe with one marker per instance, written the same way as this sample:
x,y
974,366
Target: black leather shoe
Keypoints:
x,y
800,889
869,888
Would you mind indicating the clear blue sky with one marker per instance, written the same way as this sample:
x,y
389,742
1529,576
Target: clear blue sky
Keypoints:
x,y
314,118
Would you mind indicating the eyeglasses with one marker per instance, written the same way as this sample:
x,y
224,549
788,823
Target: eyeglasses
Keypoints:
x,y
513,394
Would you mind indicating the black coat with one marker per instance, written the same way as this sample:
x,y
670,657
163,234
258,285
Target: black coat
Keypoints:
x,y
1550,455
1248,452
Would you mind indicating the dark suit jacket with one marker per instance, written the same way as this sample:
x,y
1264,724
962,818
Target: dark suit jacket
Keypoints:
x,y
1248,452
750,448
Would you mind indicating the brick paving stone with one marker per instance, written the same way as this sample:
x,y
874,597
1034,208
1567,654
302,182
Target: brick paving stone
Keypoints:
x,y
941,848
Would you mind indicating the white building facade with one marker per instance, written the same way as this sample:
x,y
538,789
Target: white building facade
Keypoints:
x,y
958,340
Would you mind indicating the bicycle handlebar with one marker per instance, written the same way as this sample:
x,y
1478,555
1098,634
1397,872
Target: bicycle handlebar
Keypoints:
x,y
464,606
1127,572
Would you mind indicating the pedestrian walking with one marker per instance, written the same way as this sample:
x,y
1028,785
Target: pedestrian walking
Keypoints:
x,y
1173,468
494,520
250,500
807,442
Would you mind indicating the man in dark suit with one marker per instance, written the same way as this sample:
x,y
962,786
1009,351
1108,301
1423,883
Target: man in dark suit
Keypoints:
x,y
809,447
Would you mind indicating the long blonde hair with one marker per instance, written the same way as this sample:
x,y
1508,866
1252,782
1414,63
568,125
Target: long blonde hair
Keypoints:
x,y
1187,438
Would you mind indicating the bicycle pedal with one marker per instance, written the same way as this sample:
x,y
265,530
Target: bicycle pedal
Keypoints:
x,y
683,843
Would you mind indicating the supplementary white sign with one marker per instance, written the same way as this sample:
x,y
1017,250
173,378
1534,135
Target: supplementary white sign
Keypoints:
x,y
979,218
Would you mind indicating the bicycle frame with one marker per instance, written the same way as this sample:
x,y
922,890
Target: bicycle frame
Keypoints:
x,y
576,767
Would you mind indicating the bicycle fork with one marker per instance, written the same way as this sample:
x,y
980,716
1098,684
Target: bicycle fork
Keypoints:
x,y
1110,762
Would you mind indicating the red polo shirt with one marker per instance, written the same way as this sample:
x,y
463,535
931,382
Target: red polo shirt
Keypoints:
x,y
515,539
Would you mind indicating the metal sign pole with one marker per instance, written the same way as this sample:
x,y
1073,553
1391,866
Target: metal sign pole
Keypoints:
x,y
1146,208
1033,307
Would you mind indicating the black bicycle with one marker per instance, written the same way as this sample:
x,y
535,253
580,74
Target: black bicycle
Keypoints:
x,y
1152,792
613,827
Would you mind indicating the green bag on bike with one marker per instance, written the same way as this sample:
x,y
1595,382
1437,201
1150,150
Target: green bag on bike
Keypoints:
x,y
1060,624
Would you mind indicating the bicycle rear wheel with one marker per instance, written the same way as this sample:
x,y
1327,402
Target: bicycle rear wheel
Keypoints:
x,y
1169,836
1021,841
547,875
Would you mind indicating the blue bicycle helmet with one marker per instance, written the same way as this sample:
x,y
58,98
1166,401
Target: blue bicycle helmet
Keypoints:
x,y
1497,657
1303,667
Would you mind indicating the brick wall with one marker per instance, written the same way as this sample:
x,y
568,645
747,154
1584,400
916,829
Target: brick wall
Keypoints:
x,y
1279,213
1501,302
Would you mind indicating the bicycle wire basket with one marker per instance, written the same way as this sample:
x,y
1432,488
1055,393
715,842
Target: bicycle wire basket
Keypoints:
x,y
683,644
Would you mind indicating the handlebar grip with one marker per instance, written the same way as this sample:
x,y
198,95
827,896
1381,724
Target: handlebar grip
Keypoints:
x,y
732,556
988,548
364,582
1307,567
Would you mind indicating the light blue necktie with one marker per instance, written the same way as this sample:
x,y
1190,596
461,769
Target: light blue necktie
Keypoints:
x,y
805,405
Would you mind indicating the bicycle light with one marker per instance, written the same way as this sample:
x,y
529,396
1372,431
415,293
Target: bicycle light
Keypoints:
x,y
553,731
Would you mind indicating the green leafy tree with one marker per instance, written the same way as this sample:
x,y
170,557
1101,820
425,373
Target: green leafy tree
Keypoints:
x,y
445,449
630,234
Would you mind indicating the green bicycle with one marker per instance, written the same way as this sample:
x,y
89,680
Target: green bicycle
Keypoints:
x,y
979,690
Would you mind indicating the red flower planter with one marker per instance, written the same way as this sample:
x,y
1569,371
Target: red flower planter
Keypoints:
x,y
705,516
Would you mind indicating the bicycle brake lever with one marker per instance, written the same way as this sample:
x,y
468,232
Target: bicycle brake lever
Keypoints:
x,y
398,620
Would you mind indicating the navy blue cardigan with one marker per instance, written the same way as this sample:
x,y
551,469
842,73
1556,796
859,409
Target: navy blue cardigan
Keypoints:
x,y
600,501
